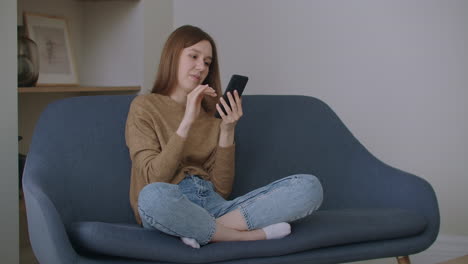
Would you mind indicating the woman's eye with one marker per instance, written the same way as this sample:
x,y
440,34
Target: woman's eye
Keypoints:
x,y
193,56
207,63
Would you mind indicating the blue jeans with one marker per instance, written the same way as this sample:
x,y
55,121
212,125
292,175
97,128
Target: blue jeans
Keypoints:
x,y
189,209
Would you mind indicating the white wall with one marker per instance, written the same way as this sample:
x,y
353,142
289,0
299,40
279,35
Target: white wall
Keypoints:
x,y
9,241
122,41
112,37
394,71
157,25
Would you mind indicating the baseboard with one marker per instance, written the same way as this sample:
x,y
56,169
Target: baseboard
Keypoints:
x,y
445,247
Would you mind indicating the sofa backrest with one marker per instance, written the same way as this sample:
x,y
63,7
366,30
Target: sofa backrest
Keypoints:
x,y
281,135
79,158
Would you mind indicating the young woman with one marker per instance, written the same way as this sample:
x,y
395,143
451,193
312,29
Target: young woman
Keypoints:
x,y
183,157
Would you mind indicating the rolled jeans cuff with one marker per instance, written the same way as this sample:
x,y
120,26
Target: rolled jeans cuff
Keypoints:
x,y
209,234
246,217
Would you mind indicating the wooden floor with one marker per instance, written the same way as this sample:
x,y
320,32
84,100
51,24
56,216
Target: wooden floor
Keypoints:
x,y
460,260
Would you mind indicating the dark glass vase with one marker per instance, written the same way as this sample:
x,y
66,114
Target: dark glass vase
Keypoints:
x,y
28,60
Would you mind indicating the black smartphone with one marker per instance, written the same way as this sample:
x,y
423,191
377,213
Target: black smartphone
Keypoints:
x,y
237,82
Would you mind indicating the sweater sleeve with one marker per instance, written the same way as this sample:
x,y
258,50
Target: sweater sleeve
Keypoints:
x,y
221,166
152,163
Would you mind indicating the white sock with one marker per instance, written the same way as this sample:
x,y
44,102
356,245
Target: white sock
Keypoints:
x,y
277,231
190,242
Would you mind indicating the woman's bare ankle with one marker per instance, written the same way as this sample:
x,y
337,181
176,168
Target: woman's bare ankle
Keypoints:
x,y
258,234
223,233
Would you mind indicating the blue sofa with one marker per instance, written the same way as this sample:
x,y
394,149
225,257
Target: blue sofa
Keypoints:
x,y
76,185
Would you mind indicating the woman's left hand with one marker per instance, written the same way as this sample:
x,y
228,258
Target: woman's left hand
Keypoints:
x,y
233,113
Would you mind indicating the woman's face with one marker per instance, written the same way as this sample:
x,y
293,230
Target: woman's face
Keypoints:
x,y
194,64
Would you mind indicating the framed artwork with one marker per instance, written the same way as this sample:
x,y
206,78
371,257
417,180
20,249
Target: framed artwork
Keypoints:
x,y
56,61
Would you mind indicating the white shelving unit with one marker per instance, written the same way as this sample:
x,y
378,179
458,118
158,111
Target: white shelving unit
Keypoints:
x,y
116,45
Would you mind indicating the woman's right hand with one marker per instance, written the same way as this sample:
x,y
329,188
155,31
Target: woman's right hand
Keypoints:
x,y
193,107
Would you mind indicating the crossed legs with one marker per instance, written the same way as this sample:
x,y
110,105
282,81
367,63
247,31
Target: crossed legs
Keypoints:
x,y
290,198
260,214
232,227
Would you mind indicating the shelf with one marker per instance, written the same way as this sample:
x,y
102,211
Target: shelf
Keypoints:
x,y
74,89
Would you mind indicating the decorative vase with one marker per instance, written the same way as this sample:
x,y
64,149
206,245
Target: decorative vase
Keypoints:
x,y
28,60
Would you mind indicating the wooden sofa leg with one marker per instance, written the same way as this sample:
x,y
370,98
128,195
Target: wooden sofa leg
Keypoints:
x,y
403,260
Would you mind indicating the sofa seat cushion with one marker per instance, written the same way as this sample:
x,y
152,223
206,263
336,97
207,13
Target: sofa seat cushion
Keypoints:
x,y
322,229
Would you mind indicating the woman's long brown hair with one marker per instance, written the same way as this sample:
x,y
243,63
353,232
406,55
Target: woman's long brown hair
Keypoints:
x,y
166,78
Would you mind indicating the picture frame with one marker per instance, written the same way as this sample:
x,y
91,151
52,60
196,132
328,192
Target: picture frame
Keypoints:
x,y
56,59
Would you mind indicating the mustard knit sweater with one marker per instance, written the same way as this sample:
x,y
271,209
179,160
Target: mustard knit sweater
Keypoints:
x,y
159,154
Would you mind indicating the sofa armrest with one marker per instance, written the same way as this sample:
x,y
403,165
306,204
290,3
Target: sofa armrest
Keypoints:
x,y
370,183
47,234
400,189
397,188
